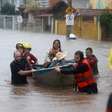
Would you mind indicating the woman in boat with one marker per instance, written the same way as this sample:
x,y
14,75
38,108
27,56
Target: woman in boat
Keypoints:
x,y
93,61
59,59
52,53
83,75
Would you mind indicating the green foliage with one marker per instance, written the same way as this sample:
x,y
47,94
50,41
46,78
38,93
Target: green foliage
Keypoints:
x,y
59,10
106,22
8,9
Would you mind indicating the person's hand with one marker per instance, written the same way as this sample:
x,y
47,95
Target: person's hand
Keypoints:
x,y
33,70
57,68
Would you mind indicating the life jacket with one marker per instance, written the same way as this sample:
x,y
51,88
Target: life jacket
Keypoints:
x,y
33,59
30,58
86,78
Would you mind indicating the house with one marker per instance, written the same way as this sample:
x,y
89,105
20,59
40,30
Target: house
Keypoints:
x,y
80,3
43,3
101,4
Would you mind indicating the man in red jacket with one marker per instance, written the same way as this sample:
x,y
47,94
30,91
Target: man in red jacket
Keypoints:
x,y
83,75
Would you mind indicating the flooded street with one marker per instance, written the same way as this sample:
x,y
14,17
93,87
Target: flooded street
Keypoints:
x,y
36,98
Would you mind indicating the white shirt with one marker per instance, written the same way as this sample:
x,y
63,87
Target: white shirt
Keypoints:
x,y
70,19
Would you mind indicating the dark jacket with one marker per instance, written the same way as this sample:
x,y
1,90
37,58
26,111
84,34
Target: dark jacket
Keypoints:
x,y
15,67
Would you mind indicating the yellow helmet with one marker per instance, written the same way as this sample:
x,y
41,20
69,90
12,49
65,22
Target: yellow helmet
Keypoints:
x,y
27,45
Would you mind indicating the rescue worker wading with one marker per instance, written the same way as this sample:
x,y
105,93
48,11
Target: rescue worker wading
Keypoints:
x,y
31,59
84,79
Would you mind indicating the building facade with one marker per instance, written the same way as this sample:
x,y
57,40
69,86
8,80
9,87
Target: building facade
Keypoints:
x,y
80,3
43,3
17,3
101,4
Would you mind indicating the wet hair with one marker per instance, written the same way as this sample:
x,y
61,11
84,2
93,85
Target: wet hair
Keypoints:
x,y
29,49
80,53
19,45
58,43
90,49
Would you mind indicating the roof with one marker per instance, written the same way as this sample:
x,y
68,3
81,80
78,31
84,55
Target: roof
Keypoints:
x,y
93,12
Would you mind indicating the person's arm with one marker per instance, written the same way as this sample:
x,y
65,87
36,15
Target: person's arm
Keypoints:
x,y
73,70
81,68
69,70
26,72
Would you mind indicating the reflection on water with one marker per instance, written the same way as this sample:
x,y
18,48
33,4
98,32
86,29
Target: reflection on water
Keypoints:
x,y
37,98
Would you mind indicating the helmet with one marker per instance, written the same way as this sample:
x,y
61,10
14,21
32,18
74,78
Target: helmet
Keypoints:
x,y
27,45
19,45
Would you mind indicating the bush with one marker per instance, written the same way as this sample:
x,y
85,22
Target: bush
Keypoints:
x,y
106,22
8,9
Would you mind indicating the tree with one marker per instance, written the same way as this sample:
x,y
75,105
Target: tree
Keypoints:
x,y
8,9
106,24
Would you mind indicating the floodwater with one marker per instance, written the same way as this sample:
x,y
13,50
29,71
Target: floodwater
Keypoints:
x,y
36,98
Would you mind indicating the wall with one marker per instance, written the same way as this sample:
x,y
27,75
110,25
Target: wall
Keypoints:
x,y
101,4
83,29
80,3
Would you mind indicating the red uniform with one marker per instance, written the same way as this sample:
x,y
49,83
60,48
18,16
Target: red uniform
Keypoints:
x,y
31,59
86,78
83,77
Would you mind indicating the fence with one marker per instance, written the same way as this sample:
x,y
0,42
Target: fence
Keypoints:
x,y
8,22
42,23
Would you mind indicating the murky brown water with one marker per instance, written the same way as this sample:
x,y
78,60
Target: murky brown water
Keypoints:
x,y
36,98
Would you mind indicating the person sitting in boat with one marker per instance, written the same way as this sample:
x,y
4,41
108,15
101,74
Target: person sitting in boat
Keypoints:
x,y
59,59
93,61
31,59
52,53
18,70
84,79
